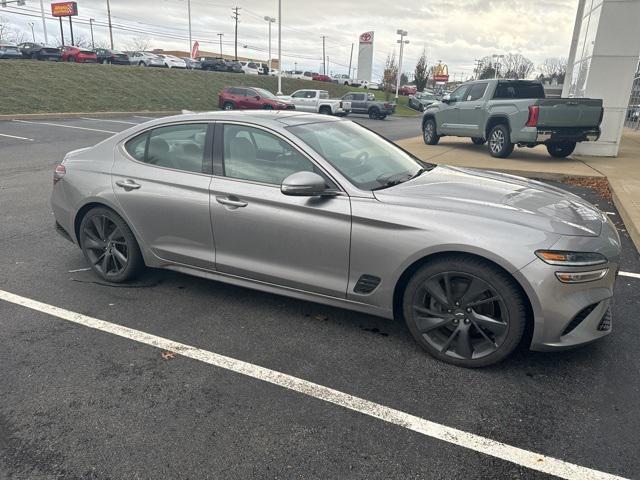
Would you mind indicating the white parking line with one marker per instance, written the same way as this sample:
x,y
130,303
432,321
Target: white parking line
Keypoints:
x,y
110,121
14,136
147,118
629,274
64,126
454,436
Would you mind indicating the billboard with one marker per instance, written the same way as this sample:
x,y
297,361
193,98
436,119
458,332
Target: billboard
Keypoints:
x,y
441,73
64,9
365,56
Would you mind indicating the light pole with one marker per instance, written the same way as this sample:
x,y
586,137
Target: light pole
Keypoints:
x,y
44,23
93,43
32,34
402,41
220,35
110,27
324,57
190,39
279,47
270,20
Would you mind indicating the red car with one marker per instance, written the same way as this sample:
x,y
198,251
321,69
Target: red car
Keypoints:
x,y
245,98
408,90
321,78
75,54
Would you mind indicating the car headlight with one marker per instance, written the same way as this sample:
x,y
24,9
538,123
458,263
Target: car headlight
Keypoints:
x,y
571,259
581,277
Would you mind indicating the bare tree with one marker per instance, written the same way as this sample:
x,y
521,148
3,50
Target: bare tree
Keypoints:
x,y
139,44
487,69
515,65
5,28
390,75
19,36
554,68
421,73
82,41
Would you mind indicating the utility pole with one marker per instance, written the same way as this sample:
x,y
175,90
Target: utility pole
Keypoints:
x,y
328,68
32,33
44,22
93,43
270,20
477,69
279,92
61,31
235,16
220,35
496,64
73,42
190,39
324,57
110,26
350,58
402,41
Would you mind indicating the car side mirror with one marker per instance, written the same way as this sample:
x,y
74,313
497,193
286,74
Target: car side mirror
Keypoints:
x,y
304,184
446,98
257,97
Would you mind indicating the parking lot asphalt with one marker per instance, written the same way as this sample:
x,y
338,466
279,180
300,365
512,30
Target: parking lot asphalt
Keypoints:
x,y
76,402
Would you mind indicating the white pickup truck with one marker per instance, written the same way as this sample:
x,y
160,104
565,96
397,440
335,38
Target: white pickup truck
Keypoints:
x,y
318,101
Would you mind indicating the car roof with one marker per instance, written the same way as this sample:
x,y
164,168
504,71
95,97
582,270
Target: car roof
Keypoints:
x,y
272,118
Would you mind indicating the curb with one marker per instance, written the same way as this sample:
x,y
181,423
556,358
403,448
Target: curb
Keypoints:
x,y
632,229
49,116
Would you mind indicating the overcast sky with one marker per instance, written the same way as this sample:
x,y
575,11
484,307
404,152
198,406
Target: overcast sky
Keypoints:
x,y
454,31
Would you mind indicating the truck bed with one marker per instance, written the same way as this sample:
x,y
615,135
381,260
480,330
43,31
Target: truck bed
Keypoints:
x,y
569,112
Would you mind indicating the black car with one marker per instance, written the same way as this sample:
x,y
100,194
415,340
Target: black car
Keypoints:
x,y
192,64
213,64
114,57
40,52
9,51
234,67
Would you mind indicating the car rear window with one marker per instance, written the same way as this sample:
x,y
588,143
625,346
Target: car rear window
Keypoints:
x,y
519,90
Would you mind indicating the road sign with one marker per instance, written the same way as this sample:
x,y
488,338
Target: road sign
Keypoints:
x,y
64,9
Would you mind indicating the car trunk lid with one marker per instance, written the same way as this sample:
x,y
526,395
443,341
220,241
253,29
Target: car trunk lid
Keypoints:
x,y
569,112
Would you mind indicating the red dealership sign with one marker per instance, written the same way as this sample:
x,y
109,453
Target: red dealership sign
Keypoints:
x,y
64,9
366,37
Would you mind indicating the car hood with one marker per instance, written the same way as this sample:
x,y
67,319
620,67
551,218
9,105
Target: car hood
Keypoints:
x,y
500,197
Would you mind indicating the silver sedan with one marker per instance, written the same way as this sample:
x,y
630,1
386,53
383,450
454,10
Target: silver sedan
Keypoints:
x,y
324,210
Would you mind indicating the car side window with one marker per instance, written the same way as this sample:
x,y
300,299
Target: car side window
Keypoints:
x,y
348,96
259,156
476,92
311,94
300,94
459,94
180,147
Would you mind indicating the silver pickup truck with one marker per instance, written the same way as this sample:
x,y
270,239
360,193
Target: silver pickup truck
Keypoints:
x,y
513,112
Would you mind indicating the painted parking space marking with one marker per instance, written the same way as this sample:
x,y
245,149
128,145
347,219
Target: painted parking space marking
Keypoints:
x,y
503,451
146,118
16,137
65,126
109,121
629,274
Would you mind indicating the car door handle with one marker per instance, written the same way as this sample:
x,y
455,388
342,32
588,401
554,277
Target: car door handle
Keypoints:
x,y
478,107
128,184
230,202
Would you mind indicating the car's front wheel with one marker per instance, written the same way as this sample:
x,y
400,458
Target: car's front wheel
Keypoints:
x,y
109,246
500,145
429,134
464,310
561,150
228,106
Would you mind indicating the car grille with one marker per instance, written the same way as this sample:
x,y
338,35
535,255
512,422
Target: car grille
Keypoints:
x,y
605,323
577,320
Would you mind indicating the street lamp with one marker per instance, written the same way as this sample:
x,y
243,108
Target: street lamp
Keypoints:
x,y
190,39
279,47
220,35
93,43
32,34
270,20
402,42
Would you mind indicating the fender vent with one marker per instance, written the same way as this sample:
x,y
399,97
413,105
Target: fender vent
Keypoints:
x,y
366,284
582,314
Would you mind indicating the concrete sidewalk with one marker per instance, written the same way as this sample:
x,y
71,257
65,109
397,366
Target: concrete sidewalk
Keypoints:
x,y
622,172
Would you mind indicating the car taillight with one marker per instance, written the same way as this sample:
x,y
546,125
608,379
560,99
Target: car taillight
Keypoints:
x,y
58,173
387,105
534,111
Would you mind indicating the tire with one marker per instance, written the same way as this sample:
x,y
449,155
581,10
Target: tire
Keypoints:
x,y
500,145
228,106
374,113
561,150
109,246
142,64
325,110
429,134
382,117
478,140
421,108
478,327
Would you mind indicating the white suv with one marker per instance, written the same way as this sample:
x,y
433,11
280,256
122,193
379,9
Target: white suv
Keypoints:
x,y
250,68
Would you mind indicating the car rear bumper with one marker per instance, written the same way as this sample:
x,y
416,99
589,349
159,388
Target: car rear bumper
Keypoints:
x,y
567,134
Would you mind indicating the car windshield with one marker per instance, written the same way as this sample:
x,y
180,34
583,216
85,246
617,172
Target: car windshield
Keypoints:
x,y
265,93
367,160
426,96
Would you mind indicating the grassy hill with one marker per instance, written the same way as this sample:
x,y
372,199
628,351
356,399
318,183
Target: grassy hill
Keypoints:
x,y
30,86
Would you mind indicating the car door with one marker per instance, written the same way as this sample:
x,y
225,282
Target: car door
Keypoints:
x,y
299,99
359,103
262,234
472,110
252,100
161,181
448,117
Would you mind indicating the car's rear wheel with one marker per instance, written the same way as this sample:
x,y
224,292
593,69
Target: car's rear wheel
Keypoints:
x,y
325,110
228,106
478,140
465,311
109,246
429,134
374,113
500,145
561,150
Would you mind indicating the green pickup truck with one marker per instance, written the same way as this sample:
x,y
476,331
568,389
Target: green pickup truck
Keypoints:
x,y
506,113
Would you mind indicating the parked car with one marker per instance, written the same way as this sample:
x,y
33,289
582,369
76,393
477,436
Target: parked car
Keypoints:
x,y
297,74
192,63
513,112
213,64
321,78
9,51
115,57
171,61
245,98
78,55
38,51
318,101
407,90
420,100
367,103
250,68
234,67
324,210
342,79
263,68
146,59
